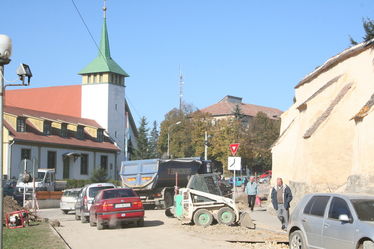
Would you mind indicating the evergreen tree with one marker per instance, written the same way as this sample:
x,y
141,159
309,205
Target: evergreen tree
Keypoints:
x,y
153,140
142,151
368,26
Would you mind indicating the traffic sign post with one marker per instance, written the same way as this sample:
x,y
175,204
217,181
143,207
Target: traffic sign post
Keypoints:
x,y
234,163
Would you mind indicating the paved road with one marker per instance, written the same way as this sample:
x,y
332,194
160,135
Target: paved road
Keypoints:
x,y
159,232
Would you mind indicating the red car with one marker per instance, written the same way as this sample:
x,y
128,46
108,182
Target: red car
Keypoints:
x,y
267,173
116,205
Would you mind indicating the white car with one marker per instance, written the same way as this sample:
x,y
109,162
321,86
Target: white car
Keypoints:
x,y
85,199
68,199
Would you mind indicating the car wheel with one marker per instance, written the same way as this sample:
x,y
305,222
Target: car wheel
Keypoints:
x,y
99,225
203,217
83,218
366,244
226,216
140,223
92,222
77,217
65,211
297,240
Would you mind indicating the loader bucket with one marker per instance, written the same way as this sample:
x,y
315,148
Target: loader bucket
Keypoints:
x,y
246,221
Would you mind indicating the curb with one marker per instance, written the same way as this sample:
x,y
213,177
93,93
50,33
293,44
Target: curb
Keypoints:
x,y
59,235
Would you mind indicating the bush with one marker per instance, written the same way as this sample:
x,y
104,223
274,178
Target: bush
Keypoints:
x,y
99,175
74,183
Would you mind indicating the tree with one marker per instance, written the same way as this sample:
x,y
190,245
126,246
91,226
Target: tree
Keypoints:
x,y
177,125
153,140
261,134
99,175
368,26
142,151
237,112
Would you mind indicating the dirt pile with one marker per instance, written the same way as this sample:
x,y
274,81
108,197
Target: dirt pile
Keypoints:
x,y
10,205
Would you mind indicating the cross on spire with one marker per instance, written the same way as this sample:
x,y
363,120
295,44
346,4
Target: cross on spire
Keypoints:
x,y
104,8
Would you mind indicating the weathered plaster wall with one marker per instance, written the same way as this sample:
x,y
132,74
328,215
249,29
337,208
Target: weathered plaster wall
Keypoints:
x,y
339,154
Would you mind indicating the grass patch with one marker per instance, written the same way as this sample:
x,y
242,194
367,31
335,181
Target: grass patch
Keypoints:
x,y
36,236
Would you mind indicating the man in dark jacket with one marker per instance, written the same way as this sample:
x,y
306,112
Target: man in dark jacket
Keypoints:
x,y
281,197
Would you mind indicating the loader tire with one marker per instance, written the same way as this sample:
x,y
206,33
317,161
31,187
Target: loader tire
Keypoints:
x,y
226,216
203,217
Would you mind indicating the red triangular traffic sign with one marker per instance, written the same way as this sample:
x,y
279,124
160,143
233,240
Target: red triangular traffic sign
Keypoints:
x,y
234,148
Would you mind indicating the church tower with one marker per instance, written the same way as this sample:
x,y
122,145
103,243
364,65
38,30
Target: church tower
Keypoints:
x,y
103,92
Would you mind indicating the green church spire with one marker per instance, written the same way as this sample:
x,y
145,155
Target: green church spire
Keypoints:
x,y
103,62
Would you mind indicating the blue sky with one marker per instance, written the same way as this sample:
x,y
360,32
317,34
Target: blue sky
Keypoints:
x,y
257,50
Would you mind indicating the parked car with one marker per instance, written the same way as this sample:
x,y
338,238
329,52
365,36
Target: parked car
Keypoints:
x,y
239,181
332,221
266,174
9,187
116,205
68,199
85,199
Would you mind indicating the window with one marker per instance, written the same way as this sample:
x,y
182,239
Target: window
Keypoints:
x,y
47,127
115,107
64,130
100,135
26,154
21,124
115,134
338,207
100,78
364,209
80,132
51,159
104,162
317,205
84,164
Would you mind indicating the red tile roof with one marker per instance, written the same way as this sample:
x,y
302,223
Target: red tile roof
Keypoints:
x,y
50,116
65,100
225,108
34,136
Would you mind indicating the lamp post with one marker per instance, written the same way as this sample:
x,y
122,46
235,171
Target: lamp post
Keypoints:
x,y
5,53
177,123
23,71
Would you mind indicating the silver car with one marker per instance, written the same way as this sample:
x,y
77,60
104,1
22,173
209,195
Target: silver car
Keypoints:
x,y
68,199
334,221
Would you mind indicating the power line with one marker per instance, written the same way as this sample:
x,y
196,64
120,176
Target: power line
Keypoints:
x,y
133,107
88,30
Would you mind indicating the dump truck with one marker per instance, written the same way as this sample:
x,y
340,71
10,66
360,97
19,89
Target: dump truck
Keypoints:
x,y
155,180
201,202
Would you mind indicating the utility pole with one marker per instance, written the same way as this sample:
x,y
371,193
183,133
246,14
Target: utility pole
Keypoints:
x,y
5,53
206,146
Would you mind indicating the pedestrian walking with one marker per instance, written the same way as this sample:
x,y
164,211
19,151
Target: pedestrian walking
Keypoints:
x,y
251,190
281,196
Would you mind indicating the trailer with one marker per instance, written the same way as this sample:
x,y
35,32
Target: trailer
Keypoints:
x,y
155,180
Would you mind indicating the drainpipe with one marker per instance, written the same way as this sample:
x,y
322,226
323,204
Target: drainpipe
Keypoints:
x,y
9,158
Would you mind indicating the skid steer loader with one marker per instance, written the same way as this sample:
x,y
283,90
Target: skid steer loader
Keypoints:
x,y
201,202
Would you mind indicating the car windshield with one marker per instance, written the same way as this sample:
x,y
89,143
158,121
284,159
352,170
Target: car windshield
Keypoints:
x,y
118,193
92,192
39,178
364,209
71,193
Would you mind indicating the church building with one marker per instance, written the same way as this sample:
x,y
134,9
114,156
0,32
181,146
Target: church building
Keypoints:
x,y
74,128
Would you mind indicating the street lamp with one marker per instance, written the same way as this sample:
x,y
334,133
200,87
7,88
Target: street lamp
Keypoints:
x,y
177,123
5,53
22,71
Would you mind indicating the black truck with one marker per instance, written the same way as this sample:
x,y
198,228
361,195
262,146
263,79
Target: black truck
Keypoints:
x,y
155,180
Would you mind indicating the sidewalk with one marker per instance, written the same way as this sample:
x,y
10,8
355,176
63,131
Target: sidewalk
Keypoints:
x,y
265,220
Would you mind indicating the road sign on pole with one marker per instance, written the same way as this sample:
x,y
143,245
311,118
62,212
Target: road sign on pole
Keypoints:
x,y
234,148
234,163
